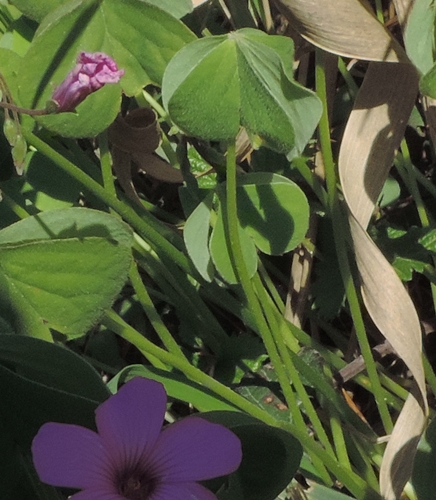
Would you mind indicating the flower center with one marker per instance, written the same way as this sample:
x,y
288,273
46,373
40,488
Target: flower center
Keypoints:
x,y
134,484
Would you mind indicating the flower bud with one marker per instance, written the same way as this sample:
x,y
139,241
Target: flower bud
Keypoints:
x,y
10,130
19,152
92,71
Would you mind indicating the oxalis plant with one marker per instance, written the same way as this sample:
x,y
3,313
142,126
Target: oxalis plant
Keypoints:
x,y
217,250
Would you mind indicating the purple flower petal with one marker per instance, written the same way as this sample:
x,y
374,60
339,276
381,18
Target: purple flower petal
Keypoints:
x,y
181,491
96,495
129,422
194,449
71,456
92,71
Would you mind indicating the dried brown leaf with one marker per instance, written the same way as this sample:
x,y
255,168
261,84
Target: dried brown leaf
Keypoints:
x,y
344,27
134,139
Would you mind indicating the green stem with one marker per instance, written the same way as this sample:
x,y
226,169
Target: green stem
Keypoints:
x,y
184,295
18,210
283,370
311,179
151,313
155,105
340,236
106,164
379,10
349,80
293,373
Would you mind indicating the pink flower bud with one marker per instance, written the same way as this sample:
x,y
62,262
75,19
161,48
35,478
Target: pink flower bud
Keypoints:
x,y
92,71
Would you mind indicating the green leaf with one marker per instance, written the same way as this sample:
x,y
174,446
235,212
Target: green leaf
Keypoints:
x,y
196,236
249,84
140,37
39,382
427,84
390,193
270,458
9,64
419,35
62,269
177,386
37,10
237,356
273,210
220,252
424,468
42,382
48,187
408,251
177,8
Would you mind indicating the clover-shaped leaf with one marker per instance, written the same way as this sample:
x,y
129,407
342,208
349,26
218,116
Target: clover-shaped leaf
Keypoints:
x,y
215,85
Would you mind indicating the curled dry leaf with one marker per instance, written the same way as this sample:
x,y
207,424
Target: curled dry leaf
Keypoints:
x,y
134,139
373,132
343,27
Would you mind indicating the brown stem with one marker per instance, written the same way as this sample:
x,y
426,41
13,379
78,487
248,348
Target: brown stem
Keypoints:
x,y
26,111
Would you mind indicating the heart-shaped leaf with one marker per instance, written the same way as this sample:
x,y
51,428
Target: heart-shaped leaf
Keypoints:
x,y
61,269
140,37
215,85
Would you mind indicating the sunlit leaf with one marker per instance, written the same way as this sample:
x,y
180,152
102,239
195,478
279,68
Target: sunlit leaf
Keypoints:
x,y
61,270
217,84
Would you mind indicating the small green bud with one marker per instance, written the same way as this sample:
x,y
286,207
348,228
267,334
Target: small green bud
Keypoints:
x,y
10,130
19,152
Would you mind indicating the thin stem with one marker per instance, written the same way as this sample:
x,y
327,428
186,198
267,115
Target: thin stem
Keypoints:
x,y
311,179
24,111
106,164
379,11
155,105
149,309
18,210
340,236
294,375
349,80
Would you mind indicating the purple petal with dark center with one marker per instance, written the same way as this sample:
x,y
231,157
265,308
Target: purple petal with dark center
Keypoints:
x,y
193,450
71,456
182,491
96,495
129,422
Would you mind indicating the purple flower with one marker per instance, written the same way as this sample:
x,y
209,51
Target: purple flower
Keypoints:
x,y
131,457
92,71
